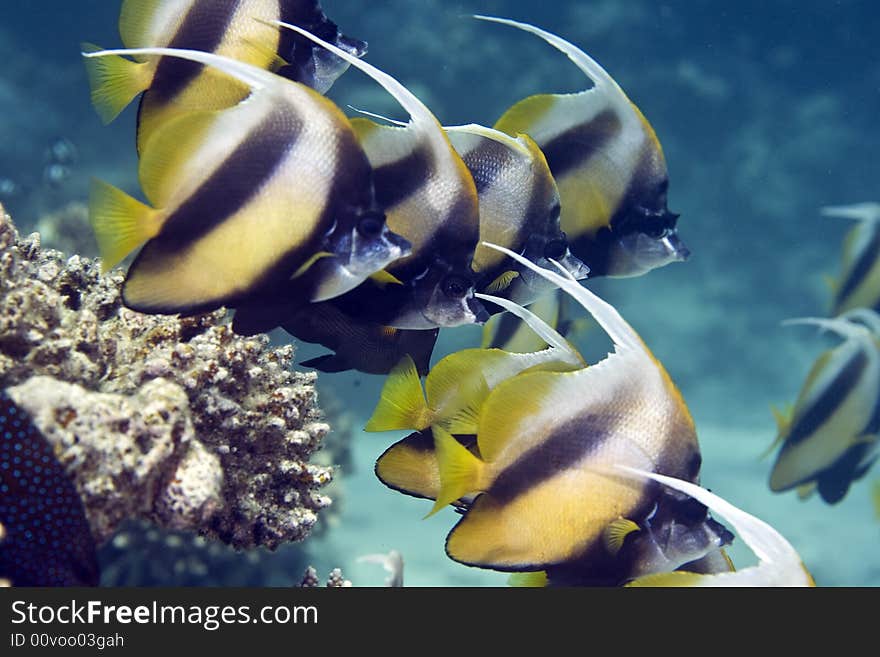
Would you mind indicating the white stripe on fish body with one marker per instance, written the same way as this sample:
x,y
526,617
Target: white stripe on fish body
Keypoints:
x,y
866,292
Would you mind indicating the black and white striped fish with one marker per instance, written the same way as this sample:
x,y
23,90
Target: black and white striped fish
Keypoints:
x,y
231,28
830,438
859,282
609,166
243,198
519,209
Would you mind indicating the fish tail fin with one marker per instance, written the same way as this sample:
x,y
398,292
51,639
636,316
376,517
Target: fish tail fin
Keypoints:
x,y
120,222
402,404
460,471
537,579
114,82
329,363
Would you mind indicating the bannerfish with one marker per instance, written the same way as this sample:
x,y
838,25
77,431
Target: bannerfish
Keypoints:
x,y
362,346
272,189
519,209
542,437
508,332
830,437
457,386
48,541
231,28
609,166
779,564
859,282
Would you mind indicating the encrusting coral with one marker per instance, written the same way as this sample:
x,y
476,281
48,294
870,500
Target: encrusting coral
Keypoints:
x,y
175,420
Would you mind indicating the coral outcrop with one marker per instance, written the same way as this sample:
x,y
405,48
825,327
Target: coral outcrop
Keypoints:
x,y
175,420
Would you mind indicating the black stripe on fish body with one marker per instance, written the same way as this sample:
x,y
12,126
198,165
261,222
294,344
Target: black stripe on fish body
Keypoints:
x,y
48,540
397,181
833,482
566,446
572,148
302,13
204,28
866,261
508,325
829,401
235,182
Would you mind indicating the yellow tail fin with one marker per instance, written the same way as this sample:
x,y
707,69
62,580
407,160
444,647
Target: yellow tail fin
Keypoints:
x,y
402,405
533,580
461,472
121,223
114,81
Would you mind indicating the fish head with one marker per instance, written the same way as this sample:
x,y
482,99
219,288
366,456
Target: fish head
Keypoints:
x,y
312,65
443,296
361,247
647,240
544,250
678,531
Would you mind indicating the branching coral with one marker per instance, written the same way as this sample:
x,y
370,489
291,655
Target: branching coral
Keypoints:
x,y
176,420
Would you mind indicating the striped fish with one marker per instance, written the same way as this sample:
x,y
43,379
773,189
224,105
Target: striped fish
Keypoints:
x,y
48,541
778,562
457,386
243,198
231,28
830,439
544,437
859,282
609,166
519,209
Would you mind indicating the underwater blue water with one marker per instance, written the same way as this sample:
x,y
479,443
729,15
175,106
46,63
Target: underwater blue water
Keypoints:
x,y
766,111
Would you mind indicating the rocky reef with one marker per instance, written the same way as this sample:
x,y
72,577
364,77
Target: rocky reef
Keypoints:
x,y
173,420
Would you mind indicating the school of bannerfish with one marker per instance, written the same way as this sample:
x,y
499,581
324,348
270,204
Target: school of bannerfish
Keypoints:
x,y
368,236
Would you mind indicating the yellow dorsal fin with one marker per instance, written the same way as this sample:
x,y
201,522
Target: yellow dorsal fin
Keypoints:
x,y
135,19
402,405
526,114
615,534
502,282
120,222
528,580
674,579
114,82
461,472
384,278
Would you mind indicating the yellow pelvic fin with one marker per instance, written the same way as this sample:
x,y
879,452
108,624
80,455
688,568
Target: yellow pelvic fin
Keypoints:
x,y
677,578
121,223
783,426
461,472
402,404
311,261
114,82
502,282
615,534
384,278
528,580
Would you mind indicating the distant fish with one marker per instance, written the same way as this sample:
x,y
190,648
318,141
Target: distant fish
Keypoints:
x,y
274,189
48,541
541,437
231,28
391,562
519,209
829,439
859,282
457,386
778,562
609,166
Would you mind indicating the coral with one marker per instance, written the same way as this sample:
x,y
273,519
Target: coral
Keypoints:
x,y
334,581
67,229
181,394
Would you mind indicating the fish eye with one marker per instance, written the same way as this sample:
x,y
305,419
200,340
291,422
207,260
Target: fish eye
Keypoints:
x,y
555,249
456,287
370,225
657,232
